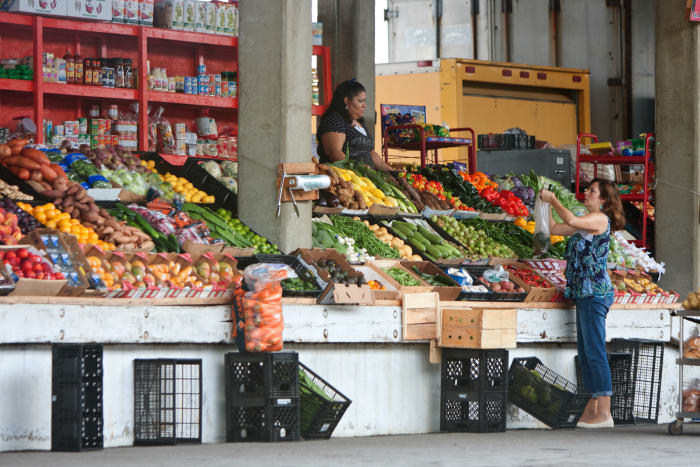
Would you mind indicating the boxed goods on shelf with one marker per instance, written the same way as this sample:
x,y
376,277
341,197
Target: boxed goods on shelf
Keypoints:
x,y
93,10
477,328
30,271
54,8
432,275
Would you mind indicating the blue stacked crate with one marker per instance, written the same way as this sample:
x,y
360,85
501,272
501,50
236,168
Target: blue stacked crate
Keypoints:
x,y
76,386
262,396
474,386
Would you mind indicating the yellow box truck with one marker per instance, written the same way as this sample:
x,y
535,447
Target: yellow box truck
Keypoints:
x,y
550,103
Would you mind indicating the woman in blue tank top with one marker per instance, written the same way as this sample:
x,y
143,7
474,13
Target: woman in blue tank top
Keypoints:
x,y
588,285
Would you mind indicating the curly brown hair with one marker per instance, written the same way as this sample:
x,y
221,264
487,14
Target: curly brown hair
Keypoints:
x,y
612,206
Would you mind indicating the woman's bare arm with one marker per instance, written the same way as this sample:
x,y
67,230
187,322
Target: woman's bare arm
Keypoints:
x,y
333,145
379,162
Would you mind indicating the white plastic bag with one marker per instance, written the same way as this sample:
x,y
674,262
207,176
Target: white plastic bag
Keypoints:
x,y
541,237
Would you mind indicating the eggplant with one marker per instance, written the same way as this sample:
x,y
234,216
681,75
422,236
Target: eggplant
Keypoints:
x,y
322,199
332,200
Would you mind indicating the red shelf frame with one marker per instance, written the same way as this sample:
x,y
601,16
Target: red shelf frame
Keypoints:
x,y
17,85
191,37
619,160
324,53
424,146
96,92
192,100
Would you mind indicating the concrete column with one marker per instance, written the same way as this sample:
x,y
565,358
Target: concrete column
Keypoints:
x,y
274,108
678,145
348,29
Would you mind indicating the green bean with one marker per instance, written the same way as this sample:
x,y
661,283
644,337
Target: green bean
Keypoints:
x,y
402,277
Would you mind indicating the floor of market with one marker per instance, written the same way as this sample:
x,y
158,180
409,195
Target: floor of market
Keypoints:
x,y
624,446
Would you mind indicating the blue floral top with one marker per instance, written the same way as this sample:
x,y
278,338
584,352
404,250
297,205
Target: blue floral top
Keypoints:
x,y
587,266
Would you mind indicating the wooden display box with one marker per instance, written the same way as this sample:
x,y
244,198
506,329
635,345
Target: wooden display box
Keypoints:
x,y
70,245
33,287
194,248
447,294
334,292
477,328
381,264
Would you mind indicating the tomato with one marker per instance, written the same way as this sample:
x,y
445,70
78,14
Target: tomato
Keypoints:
x,y
40,275
35,258
38,267
30,275
22,253
10,255
59,276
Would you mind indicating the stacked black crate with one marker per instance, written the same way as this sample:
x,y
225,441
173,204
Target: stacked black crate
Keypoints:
x,y
76,406
622,400
167,401
473,392
262,396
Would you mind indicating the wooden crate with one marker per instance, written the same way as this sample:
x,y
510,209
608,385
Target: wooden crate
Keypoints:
x,y
477,328
419,317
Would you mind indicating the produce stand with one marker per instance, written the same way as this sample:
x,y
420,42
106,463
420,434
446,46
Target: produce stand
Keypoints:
x,y
676,427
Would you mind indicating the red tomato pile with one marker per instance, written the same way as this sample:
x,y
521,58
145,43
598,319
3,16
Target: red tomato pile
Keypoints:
x,y
531,278
28,265
505,200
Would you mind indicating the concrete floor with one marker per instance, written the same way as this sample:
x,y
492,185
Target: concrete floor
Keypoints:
x,y
629,446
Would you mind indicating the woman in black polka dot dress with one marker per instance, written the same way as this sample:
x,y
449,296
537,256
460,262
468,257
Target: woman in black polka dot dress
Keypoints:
x,y
342,131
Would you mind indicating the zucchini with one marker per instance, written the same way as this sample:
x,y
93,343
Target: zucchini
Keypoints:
x,y
430,257
435,251
396,227
416,244
434,239
410,226
421,239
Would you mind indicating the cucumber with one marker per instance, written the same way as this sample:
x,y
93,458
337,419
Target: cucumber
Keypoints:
x,y
401,234
403,229
434,239
435,251
416,244
421,239
430,257
412,227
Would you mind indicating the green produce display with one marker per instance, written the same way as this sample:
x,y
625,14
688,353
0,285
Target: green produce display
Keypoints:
x,y
434,280
364,238
431,245
566,197
300,284
516,238
163,243
479,244
402,277
465,191
323,236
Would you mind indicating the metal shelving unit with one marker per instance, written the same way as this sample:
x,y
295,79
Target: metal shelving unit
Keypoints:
x,y
612,159
676,427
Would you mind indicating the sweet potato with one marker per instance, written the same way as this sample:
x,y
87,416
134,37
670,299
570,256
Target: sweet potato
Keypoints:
x,y
56,194
73,189
59,171
22,162
34,154
47,172
36,175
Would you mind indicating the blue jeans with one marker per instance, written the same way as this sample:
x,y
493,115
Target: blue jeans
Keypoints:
x,y
590,342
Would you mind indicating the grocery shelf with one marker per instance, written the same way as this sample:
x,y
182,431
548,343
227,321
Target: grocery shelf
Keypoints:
x,y
97,27
191,37
80,90
19,85
192,100
16,19
177,159
611,159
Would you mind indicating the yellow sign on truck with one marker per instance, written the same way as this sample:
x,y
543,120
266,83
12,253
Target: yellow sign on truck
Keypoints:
x,y
551,103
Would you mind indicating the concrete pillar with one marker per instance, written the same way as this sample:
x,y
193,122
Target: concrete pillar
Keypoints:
x,y
678,145
274,109
348,29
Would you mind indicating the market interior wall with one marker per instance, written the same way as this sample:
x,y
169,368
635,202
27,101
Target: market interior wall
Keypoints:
x,y
393,388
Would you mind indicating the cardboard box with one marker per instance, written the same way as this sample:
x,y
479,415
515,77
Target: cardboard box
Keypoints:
x,y
146,12
211,16
221,18
131,11
446,293
118,11
534,294
477,328
31,287
381,264
190,14
95,10
334,292
200,16
389,293
40,7
194,248
316,33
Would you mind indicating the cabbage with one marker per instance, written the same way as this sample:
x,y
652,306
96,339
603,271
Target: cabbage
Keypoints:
x,y
213,168
230,183
229,169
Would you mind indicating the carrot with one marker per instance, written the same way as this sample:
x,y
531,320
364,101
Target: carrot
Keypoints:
x,y
48,173
22,162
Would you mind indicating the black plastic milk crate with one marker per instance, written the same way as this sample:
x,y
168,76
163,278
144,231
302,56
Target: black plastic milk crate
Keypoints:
x,y
293,262
260,376
167,401
76,407
647,370
544,394
473,412
474,370
622,400
193,169
275,419
322,405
